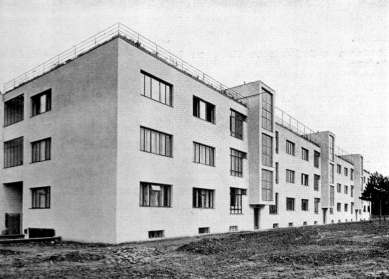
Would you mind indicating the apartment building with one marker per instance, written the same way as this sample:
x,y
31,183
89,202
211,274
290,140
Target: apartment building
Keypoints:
x,y
124,142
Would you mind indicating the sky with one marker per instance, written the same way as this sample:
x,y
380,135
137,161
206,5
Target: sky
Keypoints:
x,y
326,60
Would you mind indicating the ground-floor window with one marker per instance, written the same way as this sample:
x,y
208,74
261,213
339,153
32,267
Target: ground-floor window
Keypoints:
x,y
152,194
236,200
289,203
40,197
203,198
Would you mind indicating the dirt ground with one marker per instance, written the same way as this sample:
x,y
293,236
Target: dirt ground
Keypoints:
x,y
348,250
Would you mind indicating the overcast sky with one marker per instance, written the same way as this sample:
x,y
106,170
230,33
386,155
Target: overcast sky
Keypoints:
x,y
327,60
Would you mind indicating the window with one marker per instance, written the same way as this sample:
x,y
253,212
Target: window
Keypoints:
x,y
41,103
331,173
305,223
236,200
352,191
155,142
352,208
204,154
315,223
345,207
202,198
156,234
331,211
275,226
338,168
304,179
156,89
345,189
236,124
204,230
316,159
304,154
13,153
267,150
233,228
40,197
267,111
290,224
290,147
41,150
14,110
332,147
317,203
155,195
267,185
237,162
289,203
203,110
338,188
346,171
332,195
338,206
289,176
304,205
364,208
316,182
351,174
364,179
273,209
277,139
276,172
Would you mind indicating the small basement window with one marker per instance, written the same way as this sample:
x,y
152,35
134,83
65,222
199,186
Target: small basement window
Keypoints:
x,y
204,230
156,234
332,221
315,222
233,228
275,225
305,223
290,224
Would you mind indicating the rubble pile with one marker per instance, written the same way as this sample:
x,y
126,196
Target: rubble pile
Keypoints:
x,y
130,255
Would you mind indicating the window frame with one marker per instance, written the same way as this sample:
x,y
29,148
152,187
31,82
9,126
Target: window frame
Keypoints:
x,y
316,205
267,150
237,120
160,81
36,199
291,177
36,103
36,150
316,159
273,208
267,110
145,195
236,159
236,200
290,148
305,154
210,110
168,148
316,182
304,179
13,147
304,205
209,198
267,185
12,110
209,154
290,204
339,188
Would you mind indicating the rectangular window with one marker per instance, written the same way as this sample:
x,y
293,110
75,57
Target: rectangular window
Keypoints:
x,y
304,205
156,234
289,203
351,174
41,103
236,200
332,173
267,111
204,154
277,139
332,195
40,197
13,153
352,208
203,198
277,172
316,182
275,225
273,209
338,168
346,171
290,224
338,207
267,150
304,154
234,228
317,203
155,142
352,191
267,185
332,147
203,110
237,162
316,159
156,89
290,147
338,188
14,110
204,230
345,189
236,124
332,212
345,207
155,195
304,179
41,150
289,176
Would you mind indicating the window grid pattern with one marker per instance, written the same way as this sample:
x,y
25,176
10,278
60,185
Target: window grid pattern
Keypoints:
x,y
289,203
352,208
332,147
338,188
304,179
267,150
40,197
14,110
338,207
203,110
290,147
41,150
156,89
346,171
290,176
345,207
304,154
345,189
273,209
317,203
155,142
237,162
236,200
202,198
13,152
267,111
236,124
338,168
204,154
316,159
155,195
352,191
267,185
316,182
304,205
41,103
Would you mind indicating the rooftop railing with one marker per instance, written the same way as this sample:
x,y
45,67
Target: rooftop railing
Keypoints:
x,y
122,31
295,126
344,155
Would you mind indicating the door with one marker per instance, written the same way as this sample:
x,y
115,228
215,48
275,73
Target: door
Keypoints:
x,y
12,223
256,218
325,215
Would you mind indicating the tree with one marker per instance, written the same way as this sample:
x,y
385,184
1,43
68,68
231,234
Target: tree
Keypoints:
x,y
377,192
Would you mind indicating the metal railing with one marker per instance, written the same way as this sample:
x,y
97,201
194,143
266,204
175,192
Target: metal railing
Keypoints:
x,y
122,31
344,155
295,126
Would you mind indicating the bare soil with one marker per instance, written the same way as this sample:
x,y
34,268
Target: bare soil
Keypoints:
x,y
348,250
